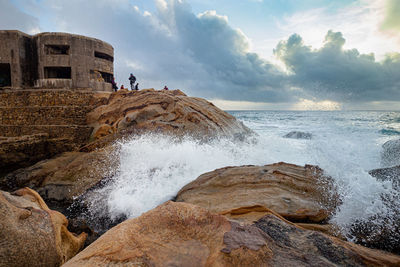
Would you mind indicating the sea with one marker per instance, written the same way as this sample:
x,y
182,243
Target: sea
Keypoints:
x,y
345,144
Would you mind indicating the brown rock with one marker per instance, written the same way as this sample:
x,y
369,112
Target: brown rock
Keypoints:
x,y
65,177
180,234
299,194
33,235
162,111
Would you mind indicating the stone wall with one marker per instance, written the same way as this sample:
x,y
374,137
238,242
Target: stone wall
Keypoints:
x,y
38,124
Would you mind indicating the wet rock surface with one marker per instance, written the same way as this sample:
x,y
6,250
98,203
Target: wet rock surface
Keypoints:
x,y
298,135
382,231
391,153
180,234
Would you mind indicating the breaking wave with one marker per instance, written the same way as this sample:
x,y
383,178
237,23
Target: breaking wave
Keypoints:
x,y
154,167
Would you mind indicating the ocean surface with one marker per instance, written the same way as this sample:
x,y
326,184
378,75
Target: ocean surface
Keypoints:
x,y
345,144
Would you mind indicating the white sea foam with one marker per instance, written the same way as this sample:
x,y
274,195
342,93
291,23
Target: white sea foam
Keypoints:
x,y
154,167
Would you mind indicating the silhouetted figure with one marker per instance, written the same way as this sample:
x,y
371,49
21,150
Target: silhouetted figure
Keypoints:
x,y
132,80
114,85
165,88
137,87
122,87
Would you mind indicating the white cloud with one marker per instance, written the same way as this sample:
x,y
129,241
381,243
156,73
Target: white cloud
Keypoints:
x,y
308,104
204,56
360,22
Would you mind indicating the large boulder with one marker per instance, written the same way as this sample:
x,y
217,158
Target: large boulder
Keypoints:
x,y
390,155
33,235
299,194
162,111
181,234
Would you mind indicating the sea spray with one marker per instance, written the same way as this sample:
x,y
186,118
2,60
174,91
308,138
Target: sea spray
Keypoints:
x,y
153,167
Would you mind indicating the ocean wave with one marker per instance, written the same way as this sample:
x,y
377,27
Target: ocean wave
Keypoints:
x,y
153,167
389,131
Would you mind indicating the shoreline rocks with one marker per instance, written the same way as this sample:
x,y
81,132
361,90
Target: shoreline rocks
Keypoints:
x,y
299,194
33,235
181,234
298,135
390,155
170,112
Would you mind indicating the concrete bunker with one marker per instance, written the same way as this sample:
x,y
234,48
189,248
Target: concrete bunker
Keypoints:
x,y
55,60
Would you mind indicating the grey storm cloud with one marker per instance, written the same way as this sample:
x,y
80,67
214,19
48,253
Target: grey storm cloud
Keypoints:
x,y
203,55
334,73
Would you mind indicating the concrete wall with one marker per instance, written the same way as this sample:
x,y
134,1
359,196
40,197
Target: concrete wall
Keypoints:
x,y
16,49
57,60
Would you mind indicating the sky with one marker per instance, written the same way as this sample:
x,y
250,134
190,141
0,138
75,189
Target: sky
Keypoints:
x,y
240,54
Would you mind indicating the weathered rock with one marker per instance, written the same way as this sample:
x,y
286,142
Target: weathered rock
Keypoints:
x,y
162,111
299,194
180,234
33,235
298,135
61,179
390,155
254,213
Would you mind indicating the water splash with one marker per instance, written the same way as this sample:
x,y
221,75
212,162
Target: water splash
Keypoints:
x,y
153,167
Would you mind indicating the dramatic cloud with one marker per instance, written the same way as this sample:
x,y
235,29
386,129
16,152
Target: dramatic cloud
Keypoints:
x,y
11,18
337,74
200,54
204,56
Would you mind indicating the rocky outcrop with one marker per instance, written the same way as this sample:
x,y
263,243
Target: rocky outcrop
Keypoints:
x,y
162,111
61,179
298,135
299,194
33,235
180,234
390,155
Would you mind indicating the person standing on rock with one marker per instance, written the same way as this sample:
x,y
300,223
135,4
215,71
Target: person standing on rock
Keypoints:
x,y
166,88
132,80
114,85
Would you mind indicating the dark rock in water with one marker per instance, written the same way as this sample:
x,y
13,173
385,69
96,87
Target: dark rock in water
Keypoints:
x,y
388,174
382,231
298,135
391,153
